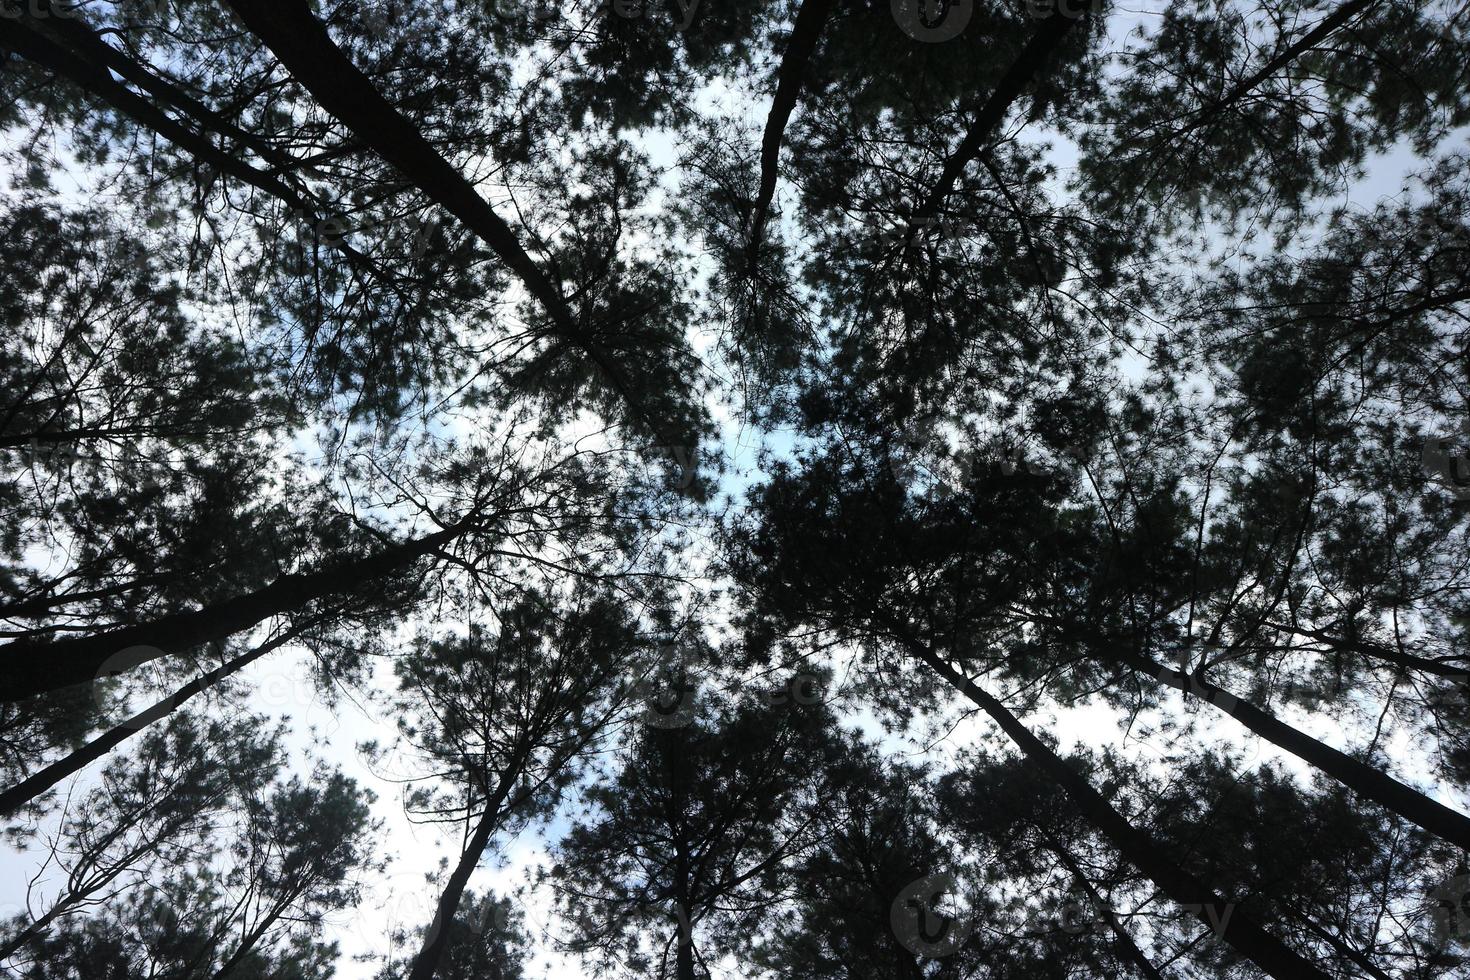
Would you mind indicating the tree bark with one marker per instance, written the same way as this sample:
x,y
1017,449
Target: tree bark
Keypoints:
x,y
436,940
1231,924
33,786
1124,941
301,43
67,28
805,33
1296,49
684,954
1363,779
1378,651
1033,57
95,79
31,667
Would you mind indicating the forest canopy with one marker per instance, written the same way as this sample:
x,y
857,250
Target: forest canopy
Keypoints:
x,y
852,489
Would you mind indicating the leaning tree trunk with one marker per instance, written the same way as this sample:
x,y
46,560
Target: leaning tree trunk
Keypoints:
x,y
805,32
436,940
1127,947
301,42
93,77
1028,64
1231,925
31,667
1363,779
1380,652
34,785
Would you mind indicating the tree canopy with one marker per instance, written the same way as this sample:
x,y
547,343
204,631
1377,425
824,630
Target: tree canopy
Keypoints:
x,y
936,489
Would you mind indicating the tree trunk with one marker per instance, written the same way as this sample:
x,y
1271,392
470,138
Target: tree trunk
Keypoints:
x,y
17,942
95,79
436,940
674,810
1378,651
33,667
1138,847
805,33
1363,779
296,37
33,786
1357,956
1296,49
684,952
1023,70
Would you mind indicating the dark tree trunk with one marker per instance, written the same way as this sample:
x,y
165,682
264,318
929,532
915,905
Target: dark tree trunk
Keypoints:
x,y
1378,651
1032,59
38,783
436,940
1127,948
1231,924
1293,51
30,667
95,79
1363,779
805,33
301,42
684,954
290,30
